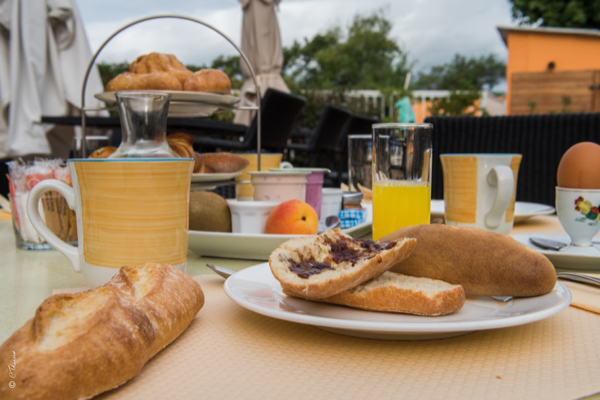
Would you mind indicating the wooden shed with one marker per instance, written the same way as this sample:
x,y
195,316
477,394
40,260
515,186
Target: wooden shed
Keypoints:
x,y
552,70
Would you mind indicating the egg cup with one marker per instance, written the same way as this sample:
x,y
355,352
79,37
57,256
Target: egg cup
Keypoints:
x,y
579,213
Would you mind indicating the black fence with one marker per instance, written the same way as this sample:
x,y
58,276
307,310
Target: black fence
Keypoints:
x,y
541,139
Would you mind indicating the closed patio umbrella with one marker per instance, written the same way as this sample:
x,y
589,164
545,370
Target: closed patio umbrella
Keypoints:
x,y
261,42
44,54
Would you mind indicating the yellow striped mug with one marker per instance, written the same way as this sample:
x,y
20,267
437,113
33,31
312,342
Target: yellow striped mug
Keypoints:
x,y
129,212
480,190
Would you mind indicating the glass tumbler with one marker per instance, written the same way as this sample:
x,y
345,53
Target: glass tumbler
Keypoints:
x,y
360,152
401,176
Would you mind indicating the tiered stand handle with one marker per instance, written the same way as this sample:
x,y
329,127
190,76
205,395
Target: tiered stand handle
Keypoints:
x,y
80,142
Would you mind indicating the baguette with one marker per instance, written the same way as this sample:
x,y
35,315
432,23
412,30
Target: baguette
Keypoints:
x,y
316,267
484,263
392,292
80,345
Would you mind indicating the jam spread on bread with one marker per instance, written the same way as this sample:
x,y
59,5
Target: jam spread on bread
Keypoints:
x,y
341,251
306,268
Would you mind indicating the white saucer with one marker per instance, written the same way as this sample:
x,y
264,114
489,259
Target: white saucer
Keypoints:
x,y
571,257
523,210
256,289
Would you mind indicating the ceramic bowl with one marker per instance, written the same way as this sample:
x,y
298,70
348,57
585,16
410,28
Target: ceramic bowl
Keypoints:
x,y
314,184
279,186
250,216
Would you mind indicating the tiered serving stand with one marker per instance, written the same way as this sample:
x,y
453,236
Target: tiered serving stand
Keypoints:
x,y
183,104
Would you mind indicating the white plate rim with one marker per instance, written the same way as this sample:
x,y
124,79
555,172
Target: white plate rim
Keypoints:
x,y
182,96
544,209
391,327
552,253
214,177
272,236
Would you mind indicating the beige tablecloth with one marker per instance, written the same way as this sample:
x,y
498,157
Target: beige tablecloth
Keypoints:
x,y
232,353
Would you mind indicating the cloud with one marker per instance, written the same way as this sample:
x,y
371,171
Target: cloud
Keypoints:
x,y
432,31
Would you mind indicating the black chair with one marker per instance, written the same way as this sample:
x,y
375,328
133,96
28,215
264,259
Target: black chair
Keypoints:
x,y
358,124
541,139
325,137
279,113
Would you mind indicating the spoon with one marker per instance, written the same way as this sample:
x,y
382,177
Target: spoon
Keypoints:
x,y
580,278
224,272
550,244
332,222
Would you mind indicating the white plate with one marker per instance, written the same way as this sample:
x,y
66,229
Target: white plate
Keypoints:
x,y
216,177
187,104
249,246
257,290
523,210
196,97
571,257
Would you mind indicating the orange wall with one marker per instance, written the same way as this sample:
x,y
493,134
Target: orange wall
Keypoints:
x,y
531,52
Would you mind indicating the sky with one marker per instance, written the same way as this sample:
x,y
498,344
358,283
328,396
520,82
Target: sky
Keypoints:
x,y
430,31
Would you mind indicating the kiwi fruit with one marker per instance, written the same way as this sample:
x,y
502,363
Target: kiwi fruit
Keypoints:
x,y
209,212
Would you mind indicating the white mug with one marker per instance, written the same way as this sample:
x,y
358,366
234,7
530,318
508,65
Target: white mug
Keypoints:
x,y
129,212
480,190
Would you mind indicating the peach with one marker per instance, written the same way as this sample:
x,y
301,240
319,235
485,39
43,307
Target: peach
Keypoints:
x,y
292,217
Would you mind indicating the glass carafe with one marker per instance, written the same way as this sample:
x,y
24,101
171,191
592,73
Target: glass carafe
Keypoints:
x,y
143,125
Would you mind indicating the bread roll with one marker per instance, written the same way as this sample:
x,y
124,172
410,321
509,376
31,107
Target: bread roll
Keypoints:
x,y
223,162
484,263
208,80
126,81
316,267
80,345
188,137
182,148
157,62
161,81
151,81
392,292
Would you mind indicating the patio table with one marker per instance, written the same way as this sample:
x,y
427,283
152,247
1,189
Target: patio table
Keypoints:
x,y
230,352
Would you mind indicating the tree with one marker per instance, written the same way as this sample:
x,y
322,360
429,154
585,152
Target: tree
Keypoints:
x,y
570,14
465,78
463,73
364,57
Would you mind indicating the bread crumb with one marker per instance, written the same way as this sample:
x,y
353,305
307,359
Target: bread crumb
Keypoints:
x,y
498,377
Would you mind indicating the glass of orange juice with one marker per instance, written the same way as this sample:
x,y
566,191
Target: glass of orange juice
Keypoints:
x,y
401,176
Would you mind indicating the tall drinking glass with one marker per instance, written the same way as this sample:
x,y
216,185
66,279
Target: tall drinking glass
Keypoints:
x,y
401,176
360,152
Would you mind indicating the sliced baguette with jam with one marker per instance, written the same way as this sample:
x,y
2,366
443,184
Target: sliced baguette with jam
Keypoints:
x,y
392,292
316,267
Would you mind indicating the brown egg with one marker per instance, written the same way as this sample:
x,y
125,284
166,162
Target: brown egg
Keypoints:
x,y
579,167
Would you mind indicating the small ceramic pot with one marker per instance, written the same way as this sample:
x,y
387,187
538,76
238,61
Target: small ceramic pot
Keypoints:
x,y
279,186
250,216
314,184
